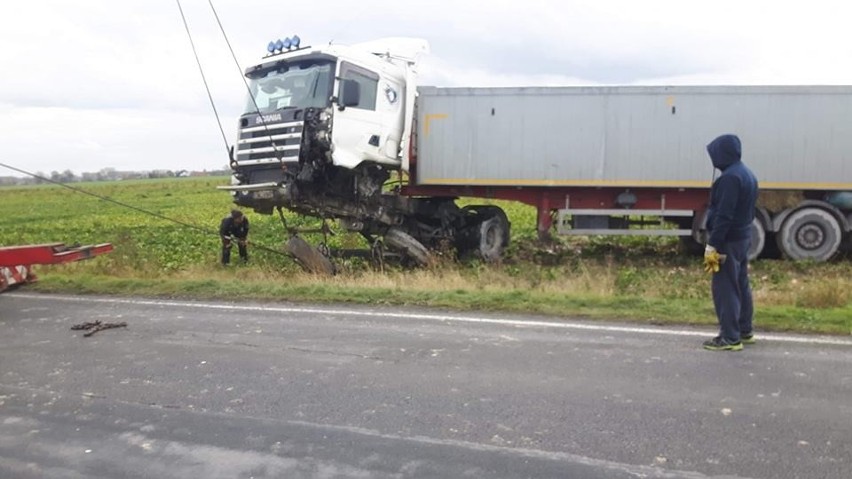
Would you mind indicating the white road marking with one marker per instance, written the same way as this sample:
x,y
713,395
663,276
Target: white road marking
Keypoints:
x,y
640,471
826,340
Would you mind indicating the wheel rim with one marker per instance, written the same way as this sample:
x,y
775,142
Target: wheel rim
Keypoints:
x,y
810,236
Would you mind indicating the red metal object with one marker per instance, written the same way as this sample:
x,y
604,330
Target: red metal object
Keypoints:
x,y
16,262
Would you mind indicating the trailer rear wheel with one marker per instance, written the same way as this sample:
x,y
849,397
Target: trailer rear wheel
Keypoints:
x,y
810,233
408,245
309,257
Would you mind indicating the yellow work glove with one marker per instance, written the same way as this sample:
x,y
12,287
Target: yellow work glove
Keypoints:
x,y
712,259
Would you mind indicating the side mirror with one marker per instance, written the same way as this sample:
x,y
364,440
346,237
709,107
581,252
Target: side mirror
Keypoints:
x,y
350,93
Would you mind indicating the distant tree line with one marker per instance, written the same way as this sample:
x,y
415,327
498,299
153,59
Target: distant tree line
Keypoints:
x,y
105,174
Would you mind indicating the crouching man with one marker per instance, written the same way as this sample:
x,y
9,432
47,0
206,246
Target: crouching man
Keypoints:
x,y
234,227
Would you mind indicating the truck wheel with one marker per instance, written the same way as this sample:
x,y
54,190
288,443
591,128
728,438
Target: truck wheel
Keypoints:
x,y
491,232
758,239
308,257
408,245
700,235
488,211
810,233
492,238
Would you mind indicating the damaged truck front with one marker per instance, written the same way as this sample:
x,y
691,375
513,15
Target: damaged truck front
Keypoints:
x,y
323,130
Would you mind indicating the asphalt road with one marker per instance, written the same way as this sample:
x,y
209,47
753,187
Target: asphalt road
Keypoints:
x,y
220,390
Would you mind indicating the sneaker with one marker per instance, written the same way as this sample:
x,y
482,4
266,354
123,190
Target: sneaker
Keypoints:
x,y
721,344
747,338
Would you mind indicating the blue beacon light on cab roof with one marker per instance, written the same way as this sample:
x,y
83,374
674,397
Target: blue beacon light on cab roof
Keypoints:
x,y
280,45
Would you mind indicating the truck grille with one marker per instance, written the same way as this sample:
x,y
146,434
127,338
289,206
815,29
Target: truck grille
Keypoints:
x,y
262,145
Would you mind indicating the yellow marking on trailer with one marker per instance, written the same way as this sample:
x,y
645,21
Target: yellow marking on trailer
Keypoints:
x,y
518,182
428,120
624,183
805,186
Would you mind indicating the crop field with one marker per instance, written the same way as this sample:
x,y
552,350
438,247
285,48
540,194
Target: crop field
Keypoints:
x,y
640,279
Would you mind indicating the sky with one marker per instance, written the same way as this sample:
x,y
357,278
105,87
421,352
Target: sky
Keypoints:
x,y
92,84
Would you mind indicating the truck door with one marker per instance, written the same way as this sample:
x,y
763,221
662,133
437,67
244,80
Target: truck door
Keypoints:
x,y
366,129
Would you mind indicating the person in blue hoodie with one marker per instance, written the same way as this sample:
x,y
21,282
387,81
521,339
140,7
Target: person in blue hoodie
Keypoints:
x,y
729,218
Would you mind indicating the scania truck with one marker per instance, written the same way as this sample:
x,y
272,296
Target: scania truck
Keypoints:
x,y
345,133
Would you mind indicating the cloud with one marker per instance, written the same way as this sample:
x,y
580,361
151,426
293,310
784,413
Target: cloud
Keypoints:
x,y
435,71
47,139
97,83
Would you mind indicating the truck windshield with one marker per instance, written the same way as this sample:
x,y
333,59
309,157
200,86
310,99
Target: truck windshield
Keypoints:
x,y
292,85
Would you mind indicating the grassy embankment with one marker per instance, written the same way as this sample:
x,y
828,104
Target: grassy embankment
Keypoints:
x,y
638,279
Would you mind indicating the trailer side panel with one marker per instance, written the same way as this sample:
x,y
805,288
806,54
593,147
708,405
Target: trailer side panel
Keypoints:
x,y
793,137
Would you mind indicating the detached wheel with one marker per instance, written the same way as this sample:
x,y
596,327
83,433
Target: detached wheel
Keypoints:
x,y
408,246
810,233
309,257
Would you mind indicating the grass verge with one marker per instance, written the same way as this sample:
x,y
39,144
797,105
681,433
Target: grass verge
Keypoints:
x,y
600,293
642,279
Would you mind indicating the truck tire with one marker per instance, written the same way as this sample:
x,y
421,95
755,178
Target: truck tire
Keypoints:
x,y
488,211
691,247
810,233
492,242
491,232
758,239
408,246
308,257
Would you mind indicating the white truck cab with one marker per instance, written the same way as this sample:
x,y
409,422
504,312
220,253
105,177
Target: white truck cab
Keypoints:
x,y
324,120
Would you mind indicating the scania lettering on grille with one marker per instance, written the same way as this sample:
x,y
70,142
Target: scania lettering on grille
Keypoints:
x,y
267,118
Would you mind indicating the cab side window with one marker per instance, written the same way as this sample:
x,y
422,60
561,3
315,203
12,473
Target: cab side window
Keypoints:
x,y
367,81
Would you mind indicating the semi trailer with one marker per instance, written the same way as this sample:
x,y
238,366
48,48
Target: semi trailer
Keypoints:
x,y
345,133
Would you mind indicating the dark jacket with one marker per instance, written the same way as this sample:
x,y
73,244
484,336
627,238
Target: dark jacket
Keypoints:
x,y
734,194
230,228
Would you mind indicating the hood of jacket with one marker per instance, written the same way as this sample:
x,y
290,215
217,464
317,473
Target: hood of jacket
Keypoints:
x,y
725,151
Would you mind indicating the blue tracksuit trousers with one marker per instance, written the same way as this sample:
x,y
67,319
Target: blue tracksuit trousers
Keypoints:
x,y
732,292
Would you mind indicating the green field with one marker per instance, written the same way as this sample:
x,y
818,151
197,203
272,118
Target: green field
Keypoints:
x,y
636,279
